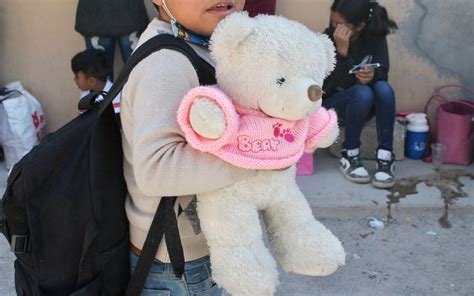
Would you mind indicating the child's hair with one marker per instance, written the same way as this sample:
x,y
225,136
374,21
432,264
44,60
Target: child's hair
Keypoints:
x,y
92,62
375,17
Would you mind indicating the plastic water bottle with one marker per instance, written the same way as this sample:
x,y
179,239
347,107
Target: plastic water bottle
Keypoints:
x,y
417,135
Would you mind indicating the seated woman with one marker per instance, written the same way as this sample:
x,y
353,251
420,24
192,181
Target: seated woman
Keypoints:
x,y
359,29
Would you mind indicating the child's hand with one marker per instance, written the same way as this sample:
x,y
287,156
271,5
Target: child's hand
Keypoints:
x,y
365,75
207,119
342,36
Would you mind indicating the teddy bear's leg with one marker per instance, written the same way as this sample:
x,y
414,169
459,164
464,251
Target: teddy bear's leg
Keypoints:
x,y
241,263
302,244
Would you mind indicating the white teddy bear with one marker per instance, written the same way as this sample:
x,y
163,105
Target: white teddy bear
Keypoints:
x,y
264,114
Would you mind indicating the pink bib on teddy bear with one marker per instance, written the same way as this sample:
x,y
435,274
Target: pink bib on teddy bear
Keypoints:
x,y
252,139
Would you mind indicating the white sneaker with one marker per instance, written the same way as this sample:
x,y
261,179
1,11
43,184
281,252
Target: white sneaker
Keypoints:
x,y
353,169
385,172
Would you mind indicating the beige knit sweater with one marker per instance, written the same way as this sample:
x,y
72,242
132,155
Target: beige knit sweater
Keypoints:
x,y
157,160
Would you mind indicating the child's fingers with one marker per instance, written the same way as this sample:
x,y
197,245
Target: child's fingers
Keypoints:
x,y
342,32
348,33
345,32
366,71
365,75
361,74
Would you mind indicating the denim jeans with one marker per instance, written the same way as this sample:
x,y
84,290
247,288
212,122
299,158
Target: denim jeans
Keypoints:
x,y
357,104
196,281
127,44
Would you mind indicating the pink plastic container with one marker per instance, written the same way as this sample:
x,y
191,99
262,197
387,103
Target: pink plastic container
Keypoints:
x,y
305,166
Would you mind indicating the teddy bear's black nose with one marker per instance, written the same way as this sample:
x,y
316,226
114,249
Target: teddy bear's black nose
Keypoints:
x,y
314,93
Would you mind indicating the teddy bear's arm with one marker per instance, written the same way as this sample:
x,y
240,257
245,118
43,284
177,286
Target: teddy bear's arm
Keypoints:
x,y
208,118
323,130
330,138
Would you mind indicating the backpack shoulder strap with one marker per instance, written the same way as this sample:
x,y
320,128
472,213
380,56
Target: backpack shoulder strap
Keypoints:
x,y
158,228
162,41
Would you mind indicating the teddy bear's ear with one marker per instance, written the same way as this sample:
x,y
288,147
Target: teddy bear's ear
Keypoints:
x,y
230,34
330,52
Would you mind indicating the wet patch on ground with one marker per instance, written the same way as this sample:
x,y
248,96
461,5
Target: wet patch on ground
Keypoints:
x,y
446,181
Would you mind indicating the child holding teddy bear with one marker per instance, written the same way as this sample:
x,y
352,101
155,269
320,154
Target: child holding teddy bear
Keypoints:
x,y
281,122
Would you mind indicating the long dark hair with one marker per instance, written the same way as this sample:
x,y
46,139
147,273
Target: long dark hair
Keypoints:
x,y
377,22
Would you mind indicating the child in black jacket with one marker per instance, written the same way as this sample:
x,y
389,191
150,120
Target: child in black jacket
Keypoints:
x,y
358,29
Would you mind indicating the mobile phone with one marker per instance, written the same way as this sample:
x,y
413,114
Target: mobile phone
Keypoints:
x,y
359,67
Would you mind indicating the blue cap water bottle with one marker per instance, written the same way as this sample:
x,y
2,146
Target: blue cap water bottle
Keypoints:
x,y
417,135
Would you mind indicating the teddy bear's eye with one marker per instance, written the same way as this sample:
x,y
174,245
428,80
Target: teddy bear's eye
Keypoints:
x,y
281,81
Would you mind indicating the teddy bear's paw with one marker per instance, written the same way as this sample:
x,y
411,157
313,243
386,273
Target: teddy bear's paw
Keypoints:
x,y
316,262
244,270
207,118
311,250
314,270
330,138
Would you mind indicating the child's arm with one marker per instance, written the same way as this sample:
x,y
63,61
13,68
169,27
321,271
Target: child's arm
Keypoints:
x,y
208,118
381,56
339,77
164,164
323,130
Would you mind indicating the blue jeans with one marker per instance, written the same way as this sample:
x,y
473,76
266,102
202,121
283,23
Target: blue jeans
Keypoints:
x,y
357,104
127,44
196,281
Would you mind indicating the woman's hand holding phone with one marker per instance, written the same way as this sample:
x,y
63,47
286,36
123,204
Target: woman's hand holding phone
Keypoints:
x,y
365,75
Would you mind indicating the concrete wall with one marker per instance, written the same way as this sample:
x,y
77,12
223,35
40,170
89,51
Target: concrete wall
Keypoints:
x,y
432,47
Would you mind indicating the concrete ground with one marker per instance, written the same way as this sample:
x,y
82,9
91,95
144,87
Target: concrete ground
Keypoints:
x,y
425,247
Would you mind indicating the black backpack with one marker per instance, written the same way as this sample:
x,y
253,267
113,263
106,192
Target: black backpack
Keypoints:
x,y
63,209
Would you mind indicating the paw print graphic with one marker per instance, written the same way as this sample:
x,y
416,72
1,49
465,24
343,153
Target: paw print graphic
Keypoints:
x,y
283,133
276,129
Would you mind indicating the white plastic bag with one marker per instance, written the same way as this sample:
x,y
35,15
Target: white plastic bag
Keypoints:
x,y
22,122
